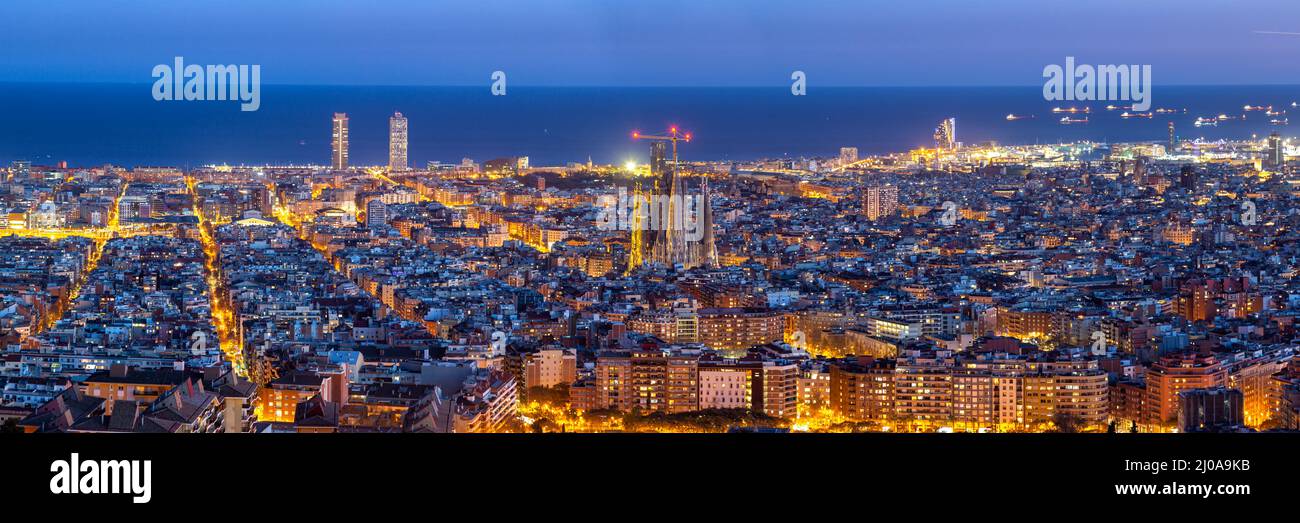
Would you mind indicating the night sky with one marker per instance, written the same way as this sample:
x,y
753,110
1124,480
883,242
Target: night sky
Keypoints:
x,y
651,43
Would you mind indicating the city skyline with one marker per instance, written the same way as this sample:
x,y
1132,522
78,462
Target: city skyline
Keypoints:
x,y
113,124
1043,255
723,329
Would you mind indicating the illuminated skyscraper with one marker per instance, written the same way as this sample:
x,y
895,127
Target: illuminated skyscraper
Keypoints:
x,y
376,214
397,143
848,155
659,163
339,141
945,135
1274,159
879,201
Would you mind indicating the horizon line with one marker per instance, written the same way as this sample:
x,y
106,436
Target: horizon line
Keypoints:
x,y
639,86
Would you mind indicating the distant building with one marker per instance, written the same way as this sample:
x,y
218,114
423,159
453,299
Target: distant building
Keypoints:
x,y
316,415
945,135
187,407
121,382
512,165
815,388
982,391
780,389
1127,398
1174,374
1179,233
1210,409
550,367
879,201
848,155
723,386
739,328
862,389
397,143
652,381
1274,159
339,141
659,160
279,400
582,395
1285,400
376,214
1187,177
20,170
46,216
485,401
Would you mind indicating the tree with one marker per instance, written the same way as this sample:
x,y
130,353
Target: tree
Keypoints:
x,y
557,396
262,371
1066,423
544,425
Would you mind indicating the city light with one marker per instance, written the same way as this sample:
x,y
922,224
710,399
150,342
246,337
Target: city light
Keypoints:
x,y
481,246
851,292
223,315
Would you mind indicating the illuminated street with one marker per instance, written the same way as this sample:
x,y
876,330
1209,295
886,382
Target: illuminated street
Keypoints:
x,y
223,316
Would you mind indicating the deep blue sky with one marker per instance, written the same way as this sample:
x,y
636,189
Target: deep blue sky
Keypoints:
x,y
651,42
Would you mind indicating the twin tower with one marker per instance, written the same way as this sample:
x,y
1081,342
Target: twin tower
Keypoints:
x,y
397,143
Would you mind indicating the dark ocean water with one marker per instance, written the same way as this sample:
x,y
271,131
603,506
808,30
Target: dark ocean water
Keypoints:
x,y
92,124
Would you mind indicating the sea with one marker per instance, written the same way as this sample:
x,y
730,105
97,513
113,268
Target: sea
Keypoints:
x,y
87,124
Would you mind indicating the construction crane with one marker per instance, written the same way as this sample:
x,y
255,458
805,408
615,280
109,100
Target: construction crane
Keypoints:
x,y
673,136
